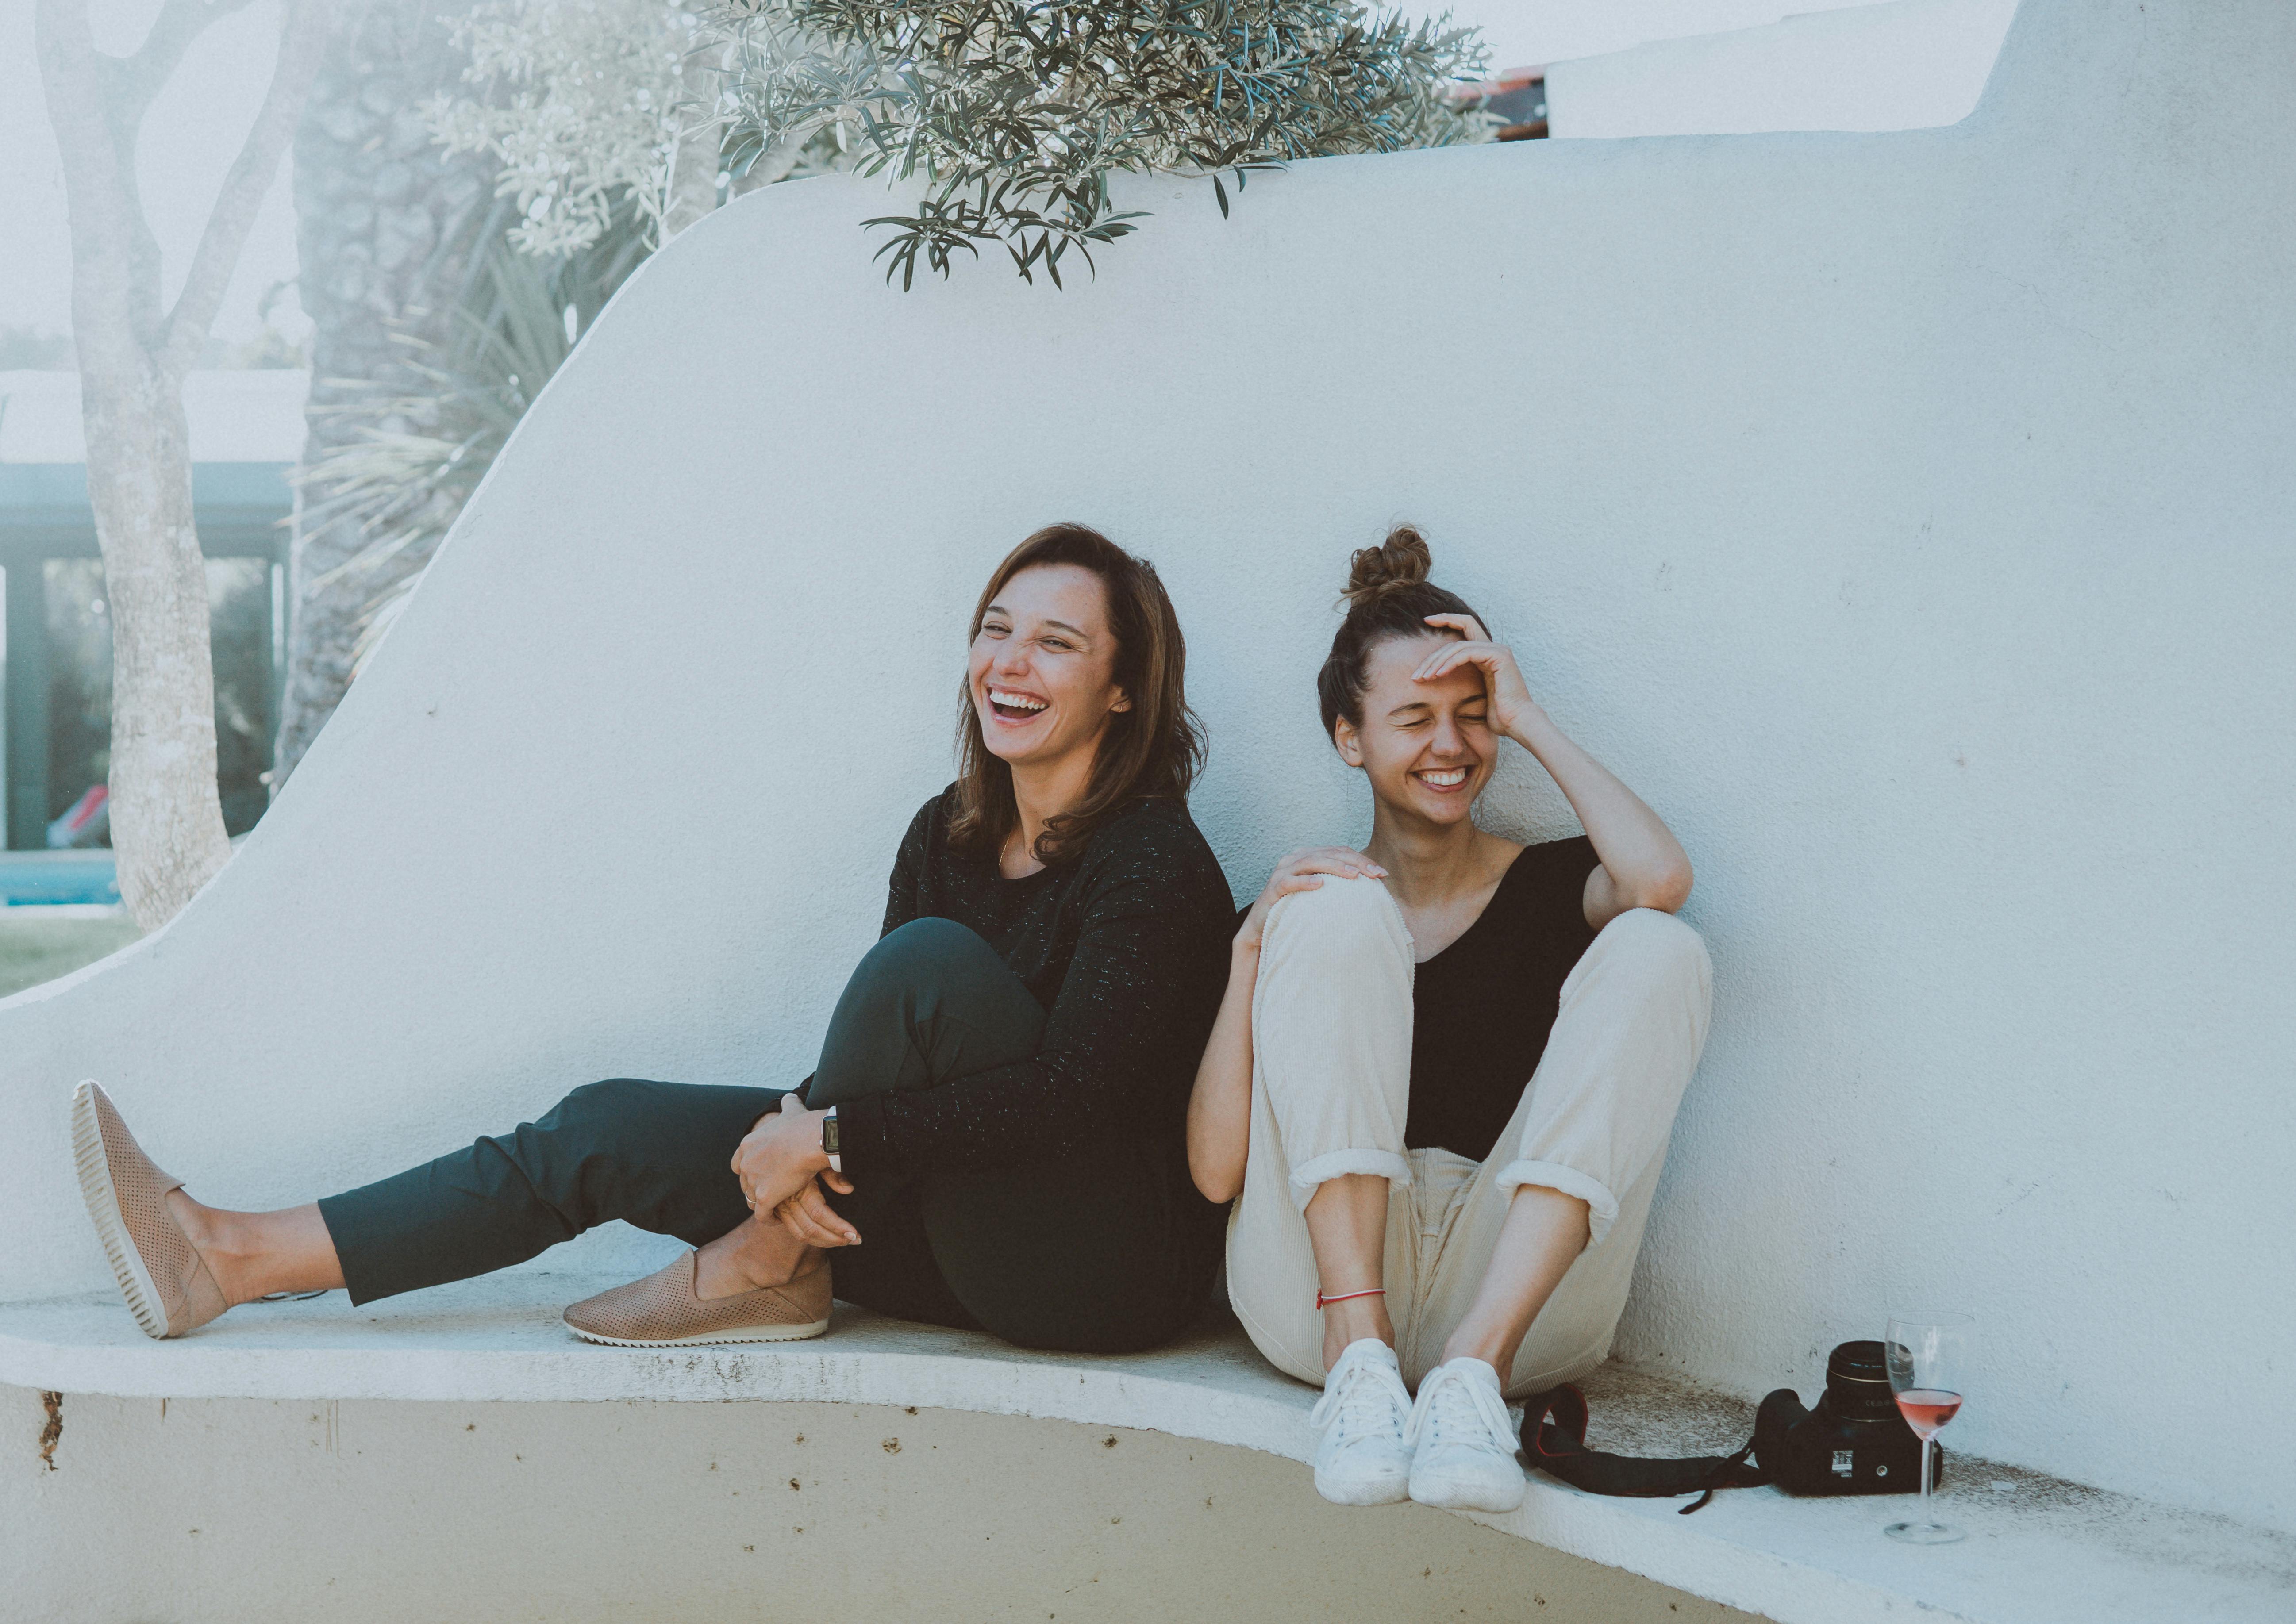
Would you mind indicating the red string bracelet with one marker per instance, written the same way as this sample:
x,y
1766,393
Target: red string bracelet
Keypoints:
x,y
1377,1291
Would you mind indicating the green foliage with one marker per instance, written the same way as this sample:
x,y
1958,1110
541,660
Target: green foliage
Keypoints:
x,y
579,101
592,108
1016,113
390,490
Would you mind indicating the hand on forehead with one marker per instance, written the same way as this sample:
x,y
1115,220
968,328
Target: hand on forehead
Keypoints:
x,y
1390,682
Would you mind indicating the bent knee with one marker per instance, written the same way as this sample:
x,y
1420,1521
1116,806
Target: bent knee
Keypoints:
x,y
1660,938
602,1103
928,941
1343,919
930,934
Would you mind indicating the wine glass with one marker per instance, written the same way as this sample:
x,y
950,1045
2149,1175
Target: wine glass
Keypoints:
x,y
1928,1356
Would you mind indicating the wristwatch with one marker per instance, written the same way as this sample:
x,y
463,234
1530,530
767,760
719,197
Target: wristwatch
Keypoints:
x,y
829,1140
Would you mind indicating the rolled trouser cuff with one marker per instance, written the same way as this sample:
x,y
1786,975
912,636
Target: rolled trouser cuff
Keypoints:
x,y
1309,1177
1602,1206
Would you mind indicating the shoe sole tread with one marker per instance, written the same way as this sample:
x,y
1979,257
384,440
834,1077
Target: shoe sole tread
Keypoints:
x,y
750,1334
97,1188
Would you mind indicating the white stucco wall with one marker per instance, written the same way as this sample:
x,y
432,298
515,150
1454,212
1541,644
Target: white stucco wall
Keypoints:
x,y
1908,64
1529,32
1908,516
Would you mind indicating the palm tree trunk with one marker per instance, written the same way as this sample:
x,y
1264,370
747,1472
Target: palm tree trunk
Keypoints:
x,y
387,227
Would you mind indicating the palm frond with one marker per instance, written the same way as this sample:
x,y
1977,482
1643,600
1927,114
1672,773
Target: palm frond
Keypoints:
x,y
389,490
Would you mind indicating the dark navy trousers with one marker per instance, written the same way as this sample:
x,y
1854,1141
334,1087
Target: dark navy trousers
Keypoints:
x,y
1110,1251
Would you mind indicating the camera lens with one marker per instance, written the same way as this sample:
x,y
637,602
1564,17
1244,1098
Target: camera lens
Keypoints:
x,y
1857,1381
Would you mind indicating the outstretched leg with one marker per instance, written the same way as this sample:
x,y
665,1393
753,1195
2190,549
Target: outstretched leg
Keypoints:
x,y
656,1155
653,1153
253,1254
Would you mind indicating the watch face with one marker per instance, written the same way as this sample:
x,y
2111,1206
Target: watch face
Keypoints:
x,y
828,1136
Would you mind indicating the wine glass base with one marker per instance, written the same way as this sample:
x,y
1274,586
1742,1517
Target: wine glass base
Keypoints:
x,y
1925,1533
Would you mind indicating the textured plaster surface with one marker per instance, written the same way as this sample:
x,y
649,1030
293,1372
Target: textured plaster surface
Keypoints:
x,y
1906,516
325,1511
1908,64
2040,1551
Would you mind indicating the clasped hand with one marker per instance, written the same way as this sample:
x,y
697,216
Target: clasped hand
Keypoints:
x,y
781,1168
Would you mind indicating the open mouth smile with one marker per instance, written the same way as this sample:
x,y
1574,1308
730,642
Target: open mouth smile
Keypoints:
x,y
1009,705
1442,778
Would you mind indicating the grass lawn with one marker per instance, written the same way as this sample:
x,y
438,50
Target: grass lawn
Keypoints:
x,y
35,946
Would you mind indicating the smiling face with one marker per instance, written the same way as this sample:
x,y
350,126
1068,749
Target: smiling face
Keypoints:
x,y
1042,671
1426,747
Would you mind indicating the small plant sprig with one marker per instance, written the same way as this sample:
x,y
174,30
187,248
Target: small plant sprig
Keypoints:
x,y
1016,113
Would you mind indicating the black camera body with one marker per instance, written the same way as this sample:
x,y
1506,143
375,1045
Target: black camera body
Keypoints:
x,y
1855,1441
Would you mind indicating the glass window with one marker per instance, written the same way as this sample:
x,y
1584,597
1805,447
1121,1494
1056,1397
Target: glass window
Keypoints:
x,y
79,682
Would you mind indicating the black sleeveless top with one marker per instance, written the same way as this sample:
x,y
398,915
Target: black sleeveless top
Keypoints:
x,y
1482,1007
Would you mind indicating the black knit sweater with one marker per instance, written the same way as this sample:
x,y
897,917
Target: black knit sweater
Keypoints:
x,y
1124,945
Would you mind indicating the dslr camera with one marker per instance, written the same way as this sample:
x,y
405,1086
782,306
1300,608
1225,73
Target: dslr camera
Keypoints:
x,y
1854,1442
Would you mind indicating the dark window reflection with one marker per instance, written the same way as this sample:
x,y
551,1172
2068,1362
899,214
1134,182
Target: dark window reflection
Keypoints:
x,y
79,679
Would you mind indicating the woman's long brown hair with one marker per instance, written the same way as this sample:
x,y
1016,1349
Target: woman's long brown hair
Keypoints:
x,y
1155,748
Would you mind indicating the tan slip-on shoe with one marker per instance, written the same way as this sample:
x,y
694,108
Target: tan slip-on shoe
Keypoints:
x,y
168,1287
662,1311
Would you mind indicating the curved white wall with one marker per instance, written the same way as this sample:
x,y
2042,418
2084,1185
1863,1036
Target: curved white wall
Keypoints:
x,y
1906,64
1906,516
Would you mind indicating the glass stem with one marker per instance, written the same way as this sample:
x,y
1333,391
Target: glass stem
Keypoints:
x,y
1927,1443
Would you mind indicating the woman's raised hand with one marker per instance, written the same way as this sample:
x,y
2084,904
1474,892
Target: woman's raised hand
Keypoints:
x,y
1510,696
1297,873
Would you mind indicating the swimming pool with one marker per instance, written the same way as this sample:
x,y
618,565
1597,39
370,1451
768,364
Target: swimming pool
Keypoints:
x,y
36,878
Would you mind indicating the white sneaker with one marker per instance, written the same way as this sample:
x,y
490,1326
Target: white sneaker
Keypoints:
x,y
1464,1453
1363,1459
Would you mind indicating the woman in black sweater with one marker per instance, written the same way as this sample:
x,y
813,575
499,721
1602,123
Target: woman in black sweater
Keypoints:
x,y
993,1136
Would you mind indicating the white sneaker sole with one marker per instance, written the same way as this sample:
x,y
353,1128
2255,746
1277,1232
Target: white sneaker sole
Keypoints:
x,y
748,1334
96,1189
1365,1494
1453,1497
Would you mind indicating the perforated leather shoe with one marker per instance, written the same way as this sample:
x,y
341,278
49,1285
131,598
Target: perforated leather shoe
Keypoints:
x,y
168,1287
662,1310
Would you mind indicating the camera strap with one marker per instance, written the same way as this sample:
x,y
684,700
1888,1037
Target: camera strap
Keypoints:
x,y
1555,1440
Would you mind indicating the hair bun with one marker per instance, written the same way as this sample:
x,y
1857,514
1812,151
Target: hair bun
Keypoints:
x,y
1401,561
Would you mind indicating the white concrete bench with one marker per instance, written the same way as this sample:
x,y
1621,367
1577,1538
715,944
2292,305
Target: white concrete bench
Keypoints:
x,y
2040,1551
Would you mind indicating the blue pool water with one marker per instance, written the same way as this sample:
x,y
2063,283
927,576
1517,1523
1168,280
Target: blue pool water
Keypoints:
x,y
35,877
